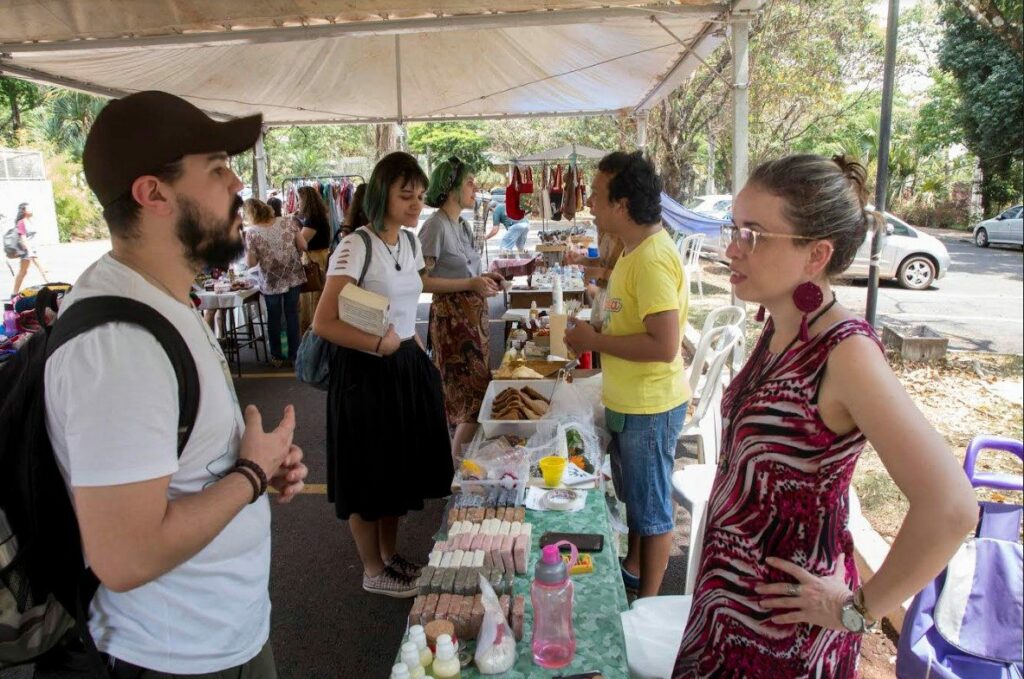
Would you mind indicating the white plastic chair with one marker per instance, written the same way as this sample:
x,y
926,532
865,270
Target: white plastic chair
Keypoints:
x,y
689,251
706,422
653,629
722,316
691,488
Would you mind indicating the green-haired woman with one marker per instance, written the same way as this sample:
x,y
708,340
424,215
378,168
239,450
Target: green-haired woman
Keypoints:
x,y
459,312
387,444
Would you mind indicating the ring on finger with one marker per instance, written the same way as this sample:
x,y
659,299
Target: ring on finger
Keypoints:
x,y
793,589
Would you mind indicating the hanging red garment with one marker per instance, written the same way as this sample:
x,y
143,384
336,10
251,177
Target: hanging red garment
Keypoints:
x,y
512,194
527,181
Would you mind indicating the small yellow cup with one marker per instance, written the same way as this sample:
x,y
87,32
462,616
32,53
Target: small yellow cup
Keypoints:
x,y
552,467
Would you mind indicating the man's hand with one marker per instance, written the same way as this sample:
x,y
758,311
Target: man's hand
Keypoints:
x,y
290,478
267,449
581,336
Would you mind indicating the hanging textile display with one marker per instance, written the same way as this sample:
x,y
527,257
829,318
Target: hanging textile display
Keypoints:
x,y
555,193
569,193
512,194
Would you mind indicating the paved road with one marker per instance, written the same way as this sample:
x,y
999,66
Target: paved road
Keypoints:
x,y
978,304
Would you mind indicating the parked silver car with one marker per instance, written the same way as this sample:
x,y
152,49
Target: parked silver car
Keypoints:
x,y
910,256
1007,228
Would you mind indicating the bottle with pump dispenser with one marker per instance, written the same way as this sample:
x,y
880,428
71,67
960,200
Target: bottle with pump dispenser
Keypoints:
x,y
446,662
554,642
411,658
418,636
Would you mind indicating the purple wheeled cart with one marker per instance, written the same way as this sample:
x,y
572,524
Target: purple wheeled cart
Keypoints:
x,y
969,622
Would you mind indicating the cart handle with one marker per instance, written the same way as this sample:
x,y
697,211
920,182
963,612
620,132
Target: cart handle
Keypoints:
x,y
988,479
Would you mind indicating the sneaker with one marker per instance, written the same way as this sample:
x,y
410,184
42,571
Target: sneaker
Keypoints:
x,y
407,568
390,583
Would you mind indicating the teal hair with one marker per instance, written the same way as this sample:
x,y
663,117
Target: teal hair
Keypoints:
x,y
446,177
391,168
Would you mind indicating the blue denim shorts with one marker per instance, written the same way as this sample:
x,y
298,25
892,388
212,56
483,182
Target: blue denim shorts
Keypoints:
x,y
642,457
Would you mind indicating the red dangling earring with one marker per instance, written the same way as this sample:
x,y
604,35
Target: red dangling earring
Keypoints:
x,y
760,314
807,297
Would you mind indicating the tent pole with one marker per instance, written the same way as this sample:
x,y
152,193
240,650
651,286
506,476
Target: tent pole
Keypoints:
x,y
398,76
261,188
882,173
641,129
740,23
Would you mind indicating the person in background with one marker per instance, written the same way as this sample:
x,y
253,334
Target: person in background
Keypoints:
x,y
645,387
275,204
387,442
459,314
777,591
276,247
311,214
23,225
516,231
354,216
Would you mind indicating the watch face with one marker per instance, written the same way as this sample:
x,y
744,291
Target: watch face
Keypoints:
x,y
852,620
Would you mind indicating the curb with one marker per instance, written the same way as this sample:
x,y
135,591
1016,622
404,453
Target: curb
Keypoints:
x,y
870,550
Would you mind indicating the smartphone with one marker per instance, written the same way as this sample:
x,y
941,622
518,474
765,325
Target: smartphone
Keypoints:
x,y
585,542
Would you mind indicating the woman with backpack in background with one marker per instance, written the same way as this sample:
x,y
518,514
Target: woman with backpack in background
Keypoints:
x,y
387,441
311,215
276,246
27,254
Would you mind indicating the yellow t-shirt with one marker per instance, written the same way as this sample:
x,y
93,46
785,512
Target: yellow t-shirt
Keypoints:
x,y
648,280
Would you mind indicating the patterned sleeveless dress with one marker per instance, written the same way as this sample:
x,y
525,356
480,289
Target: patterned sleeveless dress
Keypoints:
x,y
781,490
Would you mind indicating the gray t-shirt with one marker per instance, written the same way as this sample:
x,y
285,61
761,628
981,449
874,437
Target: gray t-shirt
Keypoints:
x,y
451,244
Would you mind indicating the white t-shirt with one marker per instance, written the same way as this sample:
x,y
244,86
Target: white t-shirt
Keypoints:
x,y
112,415
403,287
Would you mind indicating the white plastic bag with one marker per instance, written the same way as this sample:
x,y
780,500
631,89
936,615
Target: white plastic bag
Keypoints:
x,y
495,645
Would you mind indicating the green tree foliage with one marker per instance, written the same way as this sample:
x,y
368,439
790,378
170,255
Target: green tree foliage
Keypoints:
x,y
989,78
467,140
303,151
17,98
67,119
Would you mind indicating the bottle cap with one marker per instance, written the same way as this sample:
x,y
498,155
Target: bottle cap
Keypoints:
x,y
400,671
445,648
551,570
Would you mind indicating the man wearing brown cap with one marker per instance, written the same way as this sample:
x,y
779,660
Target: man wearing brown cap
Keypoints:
x,y
181,546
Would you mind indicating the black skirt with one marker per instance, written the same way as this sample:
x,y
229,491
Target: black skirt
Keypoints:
x,y
387,438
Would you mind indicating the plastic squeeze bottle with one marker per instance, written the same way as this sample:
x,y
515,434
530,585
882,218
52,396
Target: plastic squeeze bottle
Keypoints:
x,y
446,663
400,671
411,658
554,643
418,636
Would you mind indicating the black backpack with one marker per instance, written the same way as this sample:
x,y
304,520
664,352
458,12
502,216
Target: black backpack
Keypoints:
x,y
45,588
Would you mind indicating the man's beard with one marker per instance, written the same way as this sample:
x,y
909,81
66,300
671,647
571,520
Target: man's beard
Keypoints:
x,y
209,241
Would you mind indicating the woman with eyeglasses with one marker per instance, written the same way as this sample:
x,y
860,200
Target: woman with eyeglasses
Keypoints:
x,y
459,315
777,592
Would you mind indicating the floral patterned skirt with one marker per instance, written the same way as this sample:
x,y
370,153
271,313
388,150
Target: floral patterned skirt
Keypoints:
x,y
459,338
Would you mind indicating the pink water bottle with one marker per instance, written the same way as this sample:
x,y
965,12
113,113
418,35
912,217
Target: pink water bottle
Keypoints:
x,y
554,643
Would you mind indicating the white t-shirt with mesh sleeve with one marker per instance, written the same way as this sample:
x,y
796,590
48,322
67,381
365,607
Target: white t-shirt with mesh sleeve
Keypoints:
x,y
403,287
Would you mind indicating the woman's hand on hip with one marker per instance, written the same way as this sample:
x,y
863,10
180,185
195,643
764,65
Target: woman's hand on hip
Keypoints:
x,y
811,599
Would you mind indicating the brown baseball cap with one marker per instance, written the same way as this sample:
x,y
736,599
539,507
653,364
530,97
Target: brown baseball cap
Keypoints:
x,y
140,133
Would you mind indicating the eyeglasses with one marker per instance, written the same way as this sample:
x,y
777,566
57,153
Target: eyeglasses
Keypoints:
x,y
746,239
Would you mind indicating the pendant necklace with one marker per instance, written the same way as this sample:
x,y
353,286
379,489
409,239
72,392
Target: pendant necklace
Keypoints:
x,y
398,267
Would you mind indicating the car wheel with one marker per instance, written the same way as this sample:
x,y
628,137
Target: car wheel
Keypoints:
x,y
981,238
916,273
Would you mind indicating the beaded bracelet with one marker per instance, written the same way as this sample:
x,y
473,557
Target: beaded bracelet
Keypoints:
x,y
258,471
252,480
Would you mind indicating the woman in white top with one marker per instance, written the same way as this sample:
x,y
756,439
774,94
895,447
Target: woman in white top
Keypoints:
x,y
387,440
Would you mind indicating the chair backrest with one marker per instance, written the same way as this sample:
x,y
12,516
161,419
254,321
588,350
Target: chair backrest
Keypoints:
x,y
721,342
689,249
726,316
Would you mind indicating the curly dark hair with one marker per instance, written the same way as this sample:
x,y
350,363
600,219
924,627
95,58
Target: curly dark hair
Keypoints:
x,y
635,179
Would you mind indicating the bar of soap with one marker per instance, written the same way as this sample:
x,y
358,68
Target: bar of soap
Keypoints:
x,y
436,580
429,608
506,528
446,559
516,528
477,619
506,554
520,514
423,583
448,581
518,616
478,558
435,558
519,551
476,515
443,602
489,513
416,612
453,516
474,529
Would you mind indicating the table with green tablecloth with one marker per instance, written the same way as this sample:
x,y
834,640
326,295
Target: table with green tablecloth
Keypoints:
x,y
599,598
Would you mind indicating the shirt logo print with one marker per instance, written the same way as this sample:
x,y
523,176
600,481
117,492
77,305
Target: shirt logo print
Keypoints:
x,y
613,305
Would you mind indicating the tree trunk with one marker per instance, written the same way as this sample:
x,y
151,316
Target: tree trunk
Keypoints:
x,y
386,139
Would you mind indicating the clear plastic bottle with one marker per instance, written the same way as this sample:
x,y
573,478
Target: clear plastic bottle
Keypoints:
x,y
411,658
418,636
554,642
446,663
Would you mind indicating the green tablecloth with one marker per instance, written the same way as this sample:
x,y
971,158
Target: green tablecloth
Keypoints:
x,y
599,598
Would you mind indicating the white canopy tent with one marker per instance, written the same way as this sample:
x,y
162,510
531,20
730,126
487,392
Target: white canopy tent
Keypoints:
x,y
360,61
562,153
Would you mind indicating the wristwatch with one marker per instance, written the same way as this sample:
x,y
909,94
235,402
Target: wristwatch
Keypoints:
x,y
855,616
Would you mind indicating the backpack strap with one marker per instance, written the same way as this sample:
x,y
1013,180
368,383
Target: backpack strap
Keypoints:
x,y
369,255
94,312
412,241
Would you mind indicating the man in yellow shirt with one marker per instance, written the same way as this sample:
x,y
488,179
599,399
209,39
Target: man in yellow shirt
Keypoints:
x,y
645,386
